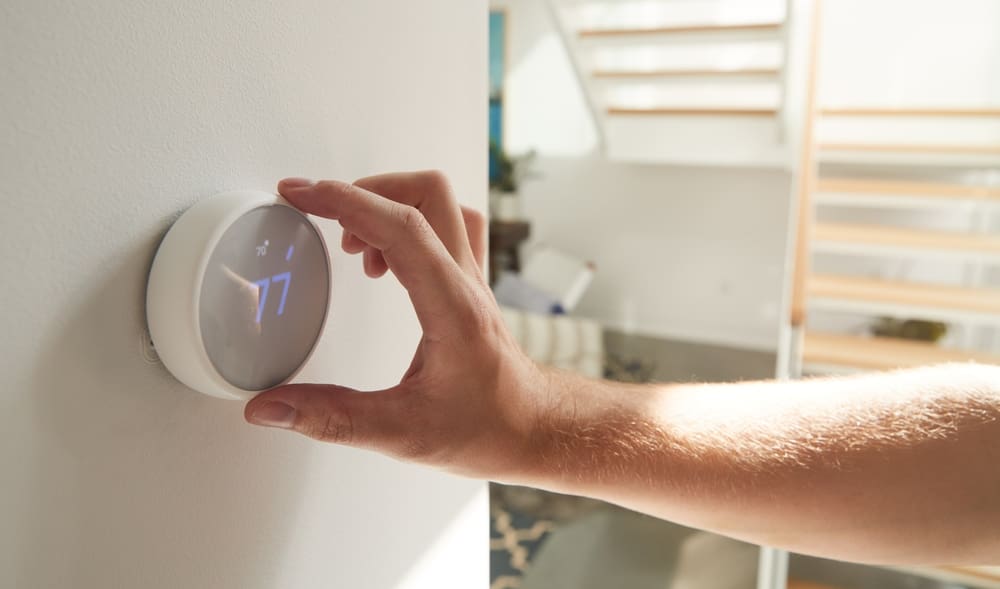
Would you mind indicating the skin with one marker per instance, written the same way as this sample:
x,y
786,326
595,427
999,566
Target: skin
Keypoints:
x,y
892,468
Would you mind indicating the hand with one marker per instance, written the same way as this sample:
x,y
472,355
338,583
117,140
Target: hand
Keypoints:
x,y
469,401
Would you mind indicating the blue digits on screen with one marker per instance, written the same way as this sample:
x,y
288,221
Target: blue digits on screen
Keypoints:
x,y
264,285
285,277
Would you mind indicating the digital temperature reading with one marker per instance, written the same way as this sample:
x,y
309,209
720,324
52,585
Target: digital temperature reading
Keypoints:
x,y
264,297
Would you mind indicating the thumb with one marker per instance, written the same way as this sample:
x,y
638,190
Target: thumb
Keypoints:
x,y
330,413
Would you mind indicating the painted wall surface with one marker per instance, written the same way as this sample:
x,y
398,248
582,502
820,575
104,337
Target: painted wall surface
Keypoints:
x,y
929,53
114,118
680,253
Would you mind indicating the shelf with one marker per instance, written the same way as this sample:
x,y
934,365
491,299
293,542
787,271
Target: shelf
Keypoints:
x,y
676,111
690,28
876,353
865,187
685,73
912,239
904,295
909,112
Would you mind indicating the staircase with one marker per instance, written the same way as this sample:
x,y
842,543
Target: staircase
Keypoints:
x,y
970,302
899,218
665,79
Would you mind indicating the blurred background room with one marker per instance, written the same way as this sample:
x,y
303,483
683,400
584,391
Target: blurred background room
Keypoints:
x,y
717,190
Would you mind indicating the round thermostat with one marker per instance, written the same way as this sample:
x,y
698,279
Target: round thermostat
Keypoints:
x,y
238,294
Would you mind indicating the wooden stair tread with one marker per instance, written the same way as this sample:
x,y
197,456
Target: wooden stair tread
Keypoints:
x,y
797,584
854,111
914,148
906,238
989,573
974,576
903,293
971,576
879,353
862,186
688,28
680,111
669,73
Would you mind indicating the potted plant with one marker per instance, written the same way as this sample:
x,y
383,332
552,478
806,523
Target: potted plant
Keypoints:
x,y
506,175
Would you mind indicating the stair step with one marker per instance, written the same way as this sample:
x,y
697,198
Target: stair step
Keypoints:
x,y
909,112
868,187
981,577
880,353
742,112
686,28
638,137
797,584
682,73
901,298
943,149
897,238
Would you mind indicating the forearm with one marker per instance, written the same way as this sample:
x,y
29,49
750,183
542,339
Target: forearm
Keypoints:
x,y
888,468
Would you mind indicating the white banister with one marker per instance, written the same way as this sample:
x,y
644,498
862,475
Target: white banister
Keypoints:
x,y
578,72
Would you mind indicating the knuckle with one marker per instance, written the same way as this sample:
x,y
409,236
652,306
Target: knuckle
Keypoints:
x,y
473,218
437,181
336,427
329,187
437,187
478,314
412,220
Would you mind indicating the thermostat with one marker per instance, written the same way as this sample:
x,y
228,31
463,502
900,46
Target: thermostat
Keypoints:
x,y
238,294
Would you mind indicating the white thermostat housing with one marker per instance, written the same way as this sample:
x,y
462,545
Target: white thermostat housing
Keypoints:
x,y
238,294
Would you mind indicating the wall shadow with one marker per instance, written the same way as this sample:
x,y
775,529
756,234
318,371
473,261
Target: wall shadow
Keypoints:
x,y
137,481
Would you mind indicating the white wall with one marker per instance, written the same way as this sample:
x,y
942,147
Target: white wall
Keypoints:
x,y
115,117
682,252
910,53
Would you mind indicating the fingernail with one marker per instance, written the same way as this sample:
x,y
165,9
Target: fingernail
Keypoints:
x,y
297,182
274,414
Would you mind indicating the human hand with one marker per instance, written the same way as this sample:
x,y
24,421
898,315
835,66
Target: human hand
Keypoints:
x,y
470,400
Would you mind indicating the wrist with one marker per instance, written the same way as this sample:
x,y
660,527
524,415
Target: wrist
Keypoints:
x,y
583,431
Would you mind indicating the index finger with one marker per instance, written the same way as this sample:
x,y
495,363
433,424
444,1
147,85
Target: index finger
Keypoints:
x,y
412,250
430,193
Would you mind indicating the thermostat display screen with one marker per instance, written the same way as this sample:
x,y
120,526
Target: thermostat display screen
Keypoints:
x,y
264,297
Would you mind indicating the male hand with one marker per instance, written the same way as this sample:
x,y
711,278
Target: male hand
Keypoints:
x,y
470,399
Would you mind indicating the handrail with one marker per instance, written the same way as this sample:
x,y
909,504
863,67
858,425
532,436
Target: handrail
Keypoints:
x,y
807,178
